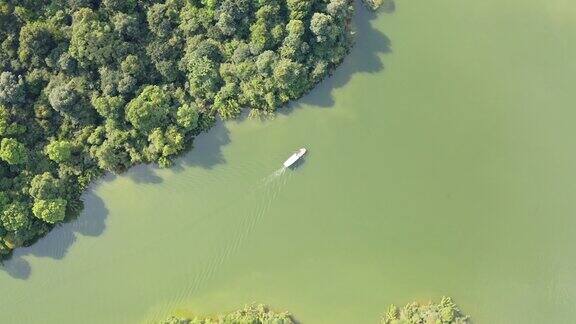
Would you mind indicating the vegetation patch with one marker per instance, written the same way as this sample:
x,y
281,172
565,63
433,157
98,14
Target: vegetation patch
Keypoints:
x,y
253,314
88,86
445,312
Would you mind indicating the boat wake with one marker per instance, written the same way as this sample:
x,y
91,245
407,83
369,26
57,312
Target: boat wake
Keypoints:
x,y
260,200
274,175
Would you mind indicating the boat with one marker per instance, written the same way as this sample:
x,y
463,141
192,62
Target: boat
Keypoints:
x,y
294,157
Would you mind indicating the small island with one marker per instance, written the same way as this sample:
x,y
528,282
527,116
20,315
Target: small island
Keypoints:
x,y
256,314
88,87
444,312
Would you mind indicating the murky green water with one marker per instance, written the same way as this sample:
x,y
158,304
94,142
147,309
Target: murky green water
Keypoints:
x,y
442,161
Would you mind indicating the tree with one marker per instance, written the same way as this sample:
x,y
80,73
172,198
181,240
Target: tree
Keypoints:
x,y
45,186
293,45
291,78
299,9
265,62
68,100
12,151
11,88
187,116
36,40
15,217
204,78
338,9
93,41
108,107
149,110
119,5
111,157
127,26
163,17
322,25
445,312
59,151
7,127
233,16
51,211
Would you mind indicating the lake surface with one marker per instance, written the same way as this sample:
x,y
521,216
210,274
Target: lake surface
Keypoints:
x,y
442,162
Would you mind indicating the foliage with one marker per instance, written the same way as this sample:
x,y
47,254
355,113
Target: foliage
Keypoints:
x,y
444,312
15,216
50,211
385,5
59,151
12,151
373,4
254,314
88,86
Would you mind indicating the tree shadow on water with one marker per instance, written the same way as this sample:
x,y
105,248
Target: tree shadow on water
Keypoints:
x,y
207,149
364,57
55,245
144,174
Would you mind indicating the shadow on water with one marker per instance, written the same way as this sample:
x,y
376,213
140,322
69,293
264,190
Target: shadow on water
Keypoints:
x,y
55,245
207,152
364,57
144,174
298,164
388,6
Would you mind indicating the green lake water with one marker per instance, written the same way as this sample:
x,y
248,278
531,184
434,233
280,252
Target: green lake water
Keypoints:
x,y
442,162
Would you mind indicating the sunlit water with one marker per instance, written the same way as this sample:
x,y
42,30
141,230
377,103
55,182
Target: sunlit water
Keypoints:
x,y
442,162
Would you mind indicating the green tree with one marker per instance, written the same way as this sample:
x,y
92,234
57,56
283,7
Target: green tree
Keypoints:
x,y
45,186
163,17
291,77
149,110
7,127
93,41
11,88
108,107
59,151
15,216
293,46
12,151
36,40
127,26
299,9
445,312
187,116
204,78
51,211
120,5
322,25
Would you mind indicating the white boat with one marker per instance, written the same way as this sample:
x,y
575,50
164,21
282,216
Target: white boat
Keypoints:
x,y
294,157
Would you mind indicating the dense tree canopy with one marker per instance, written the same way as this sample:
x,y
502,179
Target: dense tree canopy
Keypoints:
x,y
445,312
88,86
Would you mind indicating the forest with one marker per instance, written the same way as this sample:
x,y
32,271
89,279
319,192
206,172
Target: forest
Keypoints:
x,y
91,86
